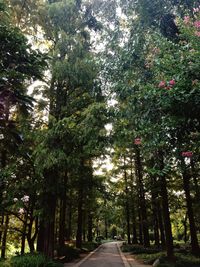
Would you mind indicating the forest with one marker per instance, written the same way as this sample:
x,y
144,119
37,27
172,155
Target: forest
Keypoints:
x,y
99,129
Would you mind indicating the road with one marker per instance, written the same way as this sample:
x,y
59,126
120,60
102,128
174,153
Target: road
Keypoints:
x,y
106,256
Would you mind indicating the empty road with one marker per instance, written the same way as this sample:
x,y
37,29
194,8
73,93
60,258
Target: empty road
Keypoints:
x,y
106,256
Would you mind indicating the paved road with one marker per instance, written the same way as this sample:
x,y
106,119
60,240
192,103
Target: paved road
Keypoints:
x,y
106,256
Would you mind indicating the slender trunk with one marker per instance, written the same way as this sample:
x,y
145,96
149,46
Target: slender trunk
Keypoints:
x,y
90,237
127,204
84,226
106,228
80,219
192,225
185,228
140,228
142,197
155,224
134,229
31,239
133,213
4,239
62,219
154,200
23,241
1,227
165,209
69,218
161,226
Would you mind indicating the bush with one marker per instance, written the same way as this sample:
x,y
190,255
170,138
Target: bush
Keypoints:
x,y
90,246
138,249
33,260
4,263
69,253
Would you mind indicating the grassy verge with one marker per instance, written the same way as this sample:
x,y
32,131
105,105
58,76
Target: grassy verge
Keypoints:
x,y
149,255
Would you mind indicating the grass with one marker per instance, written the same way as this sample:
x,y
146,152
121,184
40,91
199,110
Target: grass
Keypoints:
x,y
148,255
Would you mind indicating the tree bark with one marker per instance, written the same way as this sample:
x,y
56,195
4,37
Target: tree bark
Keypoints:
x,y
90,217
127,204
140,228
69,218
62,219
46,235
4,239
80,219
192,225
142,197
165,209
161,226
133,213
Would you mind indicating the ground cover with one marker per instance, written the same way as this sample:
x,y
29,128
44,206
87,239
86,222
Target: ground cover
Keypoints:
x,y
183,257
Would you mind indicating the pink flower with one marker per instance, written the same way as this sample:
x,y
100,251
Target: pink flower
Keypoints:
x,y
172,82
197,24
162,84
187,154
137,141
197,34
196,10
186,19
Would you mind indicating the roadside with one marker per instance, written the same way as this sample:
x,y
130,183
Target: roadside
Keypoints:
x,y
129,260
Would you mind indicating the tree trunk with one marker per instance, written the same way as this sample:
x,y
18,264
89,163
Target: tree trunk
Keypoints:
x,y
47,223
127,204
165,209
142,197
84,226
1,227
185,228
155,225
62,219
23,241
134,229
154,200
4,239
80,219
90,219
195,179
69,218
133,213
192,225
161,226
140,228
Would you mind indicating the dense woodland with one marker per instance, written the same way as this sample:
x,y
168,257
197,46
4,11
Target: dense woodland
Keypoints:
x,y
89,83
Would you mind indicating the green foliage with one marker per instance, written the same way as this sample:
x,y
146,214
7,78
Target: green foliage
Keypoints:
x,y
32,260
90,246
69,252
149,255
138,249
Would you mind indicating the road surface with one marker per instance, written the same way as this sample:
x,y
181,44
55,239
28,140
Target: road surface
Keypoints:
x,y
107,255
